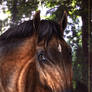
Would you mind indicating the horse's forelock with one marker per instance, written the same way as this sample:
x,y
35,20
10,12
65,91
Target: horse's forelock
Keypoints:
x,y
47,29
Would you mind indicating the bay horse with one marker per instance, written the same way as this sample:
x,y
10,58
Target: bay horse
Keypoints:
x,y
34,57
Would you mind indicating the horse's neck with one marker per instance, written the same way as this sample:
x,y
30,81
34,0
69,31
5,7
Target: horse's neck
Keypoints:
x,y
15,59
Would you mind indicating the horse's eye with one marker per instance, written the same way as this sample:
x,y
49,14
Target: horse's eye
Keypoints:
x,y
41,57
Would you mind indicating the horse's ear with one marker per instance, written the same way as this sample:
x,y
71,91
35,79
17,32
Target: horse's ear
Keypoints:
x,y
36,19
63,22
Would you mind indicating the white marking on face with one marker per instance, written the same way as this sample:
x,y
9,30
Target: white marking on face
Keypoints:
x,y
59,48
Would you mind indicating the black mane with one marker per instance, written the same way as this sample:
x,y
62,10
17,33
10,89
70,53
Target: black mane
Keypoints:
x,y
46,30
23,30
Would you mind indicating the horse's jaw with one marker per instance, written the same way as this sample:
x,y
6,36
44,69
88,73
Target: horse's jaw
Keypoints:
x,y
14,80
24,78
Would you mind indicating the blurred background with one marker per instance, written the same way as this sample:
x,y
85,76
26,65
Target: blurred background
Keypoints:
x,y
78,33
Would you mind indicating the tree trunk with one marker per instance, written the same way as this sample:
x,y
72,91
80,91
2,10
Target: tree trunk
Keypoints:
x,y
85,48
84,16
0,26
90,49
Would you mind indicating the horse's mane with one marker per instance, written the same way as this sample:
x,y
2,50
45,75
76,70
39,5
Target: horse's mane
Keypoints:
x,y
25,29
46,30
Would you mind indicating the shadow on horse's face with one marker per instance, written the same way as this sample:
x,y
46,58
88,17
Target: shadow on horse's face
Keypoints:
x,y
39,61
53,63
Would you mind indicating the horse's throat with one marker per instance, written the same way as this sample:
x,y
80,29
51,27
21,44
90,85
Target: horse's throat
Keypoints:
x,y
14,76
24,76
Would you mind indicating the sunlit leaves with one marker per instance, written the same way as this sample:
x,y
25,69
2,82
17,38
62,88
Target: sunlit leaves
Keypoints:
x,y
8,12
73,3
74,84
51,17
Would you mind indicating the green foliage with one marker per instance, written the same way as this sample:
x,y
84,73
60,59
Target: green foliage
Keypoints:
x,y
18,8
51,17
74,84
